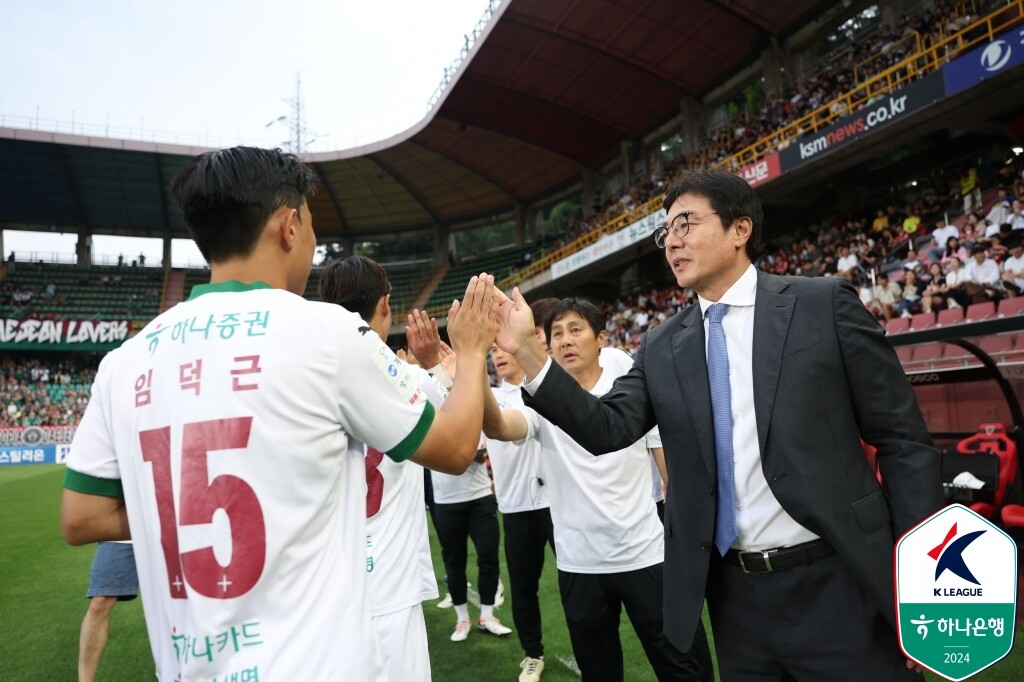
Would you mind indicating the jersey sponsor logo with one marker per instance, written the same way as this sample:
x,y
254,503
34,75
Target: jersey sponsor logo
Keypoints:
x,y
397,374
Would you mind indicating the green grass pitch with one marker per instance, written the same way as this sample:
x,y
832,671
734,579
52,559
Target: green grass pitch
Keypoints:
x,y
42,601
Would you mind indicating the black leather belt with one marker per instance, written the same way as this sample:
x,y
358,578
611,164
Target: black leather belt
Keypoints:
x,y
780,558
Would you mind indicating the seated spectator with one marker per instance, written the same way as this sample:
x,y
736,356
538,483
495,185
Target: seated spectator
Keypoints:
x,y
1013,271
912,263
940,240
1016,218
911,302
848,263
983,279
934,296
956,280
880,222
885,297
1001,210
953,250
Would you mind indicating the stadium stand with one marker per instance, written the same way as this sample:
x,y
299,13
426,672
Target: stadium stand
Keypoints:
x,y
44,391
49,291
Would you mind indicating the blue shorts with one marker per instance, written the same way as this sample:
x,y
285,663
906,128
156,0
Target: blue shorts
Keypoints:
x,y
113,572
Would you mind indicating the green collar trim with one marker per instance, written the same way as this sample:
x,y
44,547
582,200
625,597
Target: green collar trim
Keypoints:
x,y
231,286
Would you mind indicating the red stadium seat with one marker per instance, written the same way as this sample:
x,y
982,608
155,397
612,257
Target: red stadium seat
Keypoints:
x,y
977,312
993,438
1011,306
928,354
897,325
950,316
922,321
997,345
905,354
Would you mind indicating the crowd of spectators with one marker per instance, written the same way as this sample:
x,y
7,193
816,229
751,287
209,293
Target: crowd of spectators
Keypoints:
x,y
907,259
837,74
43,392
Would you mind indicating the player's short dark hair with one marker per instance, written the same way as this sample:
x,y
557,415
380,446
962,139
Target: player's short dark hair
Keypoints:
x,y
227,196
355,283
730,196
541,309
584,308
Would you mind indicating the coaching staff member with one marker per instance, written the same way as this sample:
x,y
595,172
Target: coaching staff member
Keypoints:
x,y
762,393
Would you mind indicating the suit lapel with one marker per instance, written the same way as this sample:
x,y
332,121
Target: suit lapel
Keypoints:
x,y
773,312
688,355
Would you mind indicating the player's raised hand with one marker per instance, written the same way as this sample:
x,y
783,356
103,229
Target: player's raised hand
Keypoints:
x,y
473,322
423,338
517,326
448,359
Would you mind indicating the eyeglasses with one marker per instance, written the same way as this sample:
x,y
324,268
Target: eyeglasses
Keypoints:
x,y
679,226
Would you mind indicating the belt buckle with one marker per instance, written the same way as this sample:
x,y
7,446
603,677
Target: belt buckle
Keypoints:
x,y
765,555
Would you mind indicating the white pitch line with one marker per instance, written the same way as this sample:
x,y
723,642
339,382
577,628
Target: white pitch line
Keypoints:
x,y
570,663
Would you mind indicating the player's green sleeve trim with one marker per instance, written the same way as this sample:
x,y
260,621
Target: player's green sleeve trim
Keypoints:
x,y
92,485
404,450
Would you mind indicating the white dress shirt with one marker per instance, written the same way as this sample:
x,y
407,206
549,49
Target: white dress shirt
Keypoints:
x,y
761,521
986,274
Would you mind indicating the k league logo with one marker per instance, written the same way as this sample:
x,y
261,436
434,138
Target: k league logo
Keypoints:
x,y
956,592
950,557
996,55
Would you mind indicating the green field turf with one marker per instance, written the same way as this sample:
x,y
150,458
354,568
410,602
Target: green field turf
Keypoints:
x,y
42,601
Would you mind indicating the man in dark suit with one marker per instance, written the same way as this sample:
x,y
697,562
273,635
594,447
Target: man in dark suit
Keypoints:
x,y
762,393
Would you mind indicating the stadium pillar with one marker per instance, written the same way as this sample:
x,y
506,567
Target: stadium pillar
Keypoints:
x,y
441,251
771,63
348,246
689,115
588,192
83,249
520,214
891,11
167,251
627,162
3,253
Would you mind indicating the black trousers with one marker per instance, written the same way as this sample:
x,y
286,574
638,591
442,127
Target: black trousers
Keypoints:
x,y
526,533
593,604
811,622
476,519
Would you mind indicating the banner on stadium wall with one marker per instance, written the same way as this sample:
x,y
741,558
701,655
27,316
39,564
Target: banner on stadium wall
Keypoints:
x,y
609,244
990,59
888,109
35,444
762,171
32,334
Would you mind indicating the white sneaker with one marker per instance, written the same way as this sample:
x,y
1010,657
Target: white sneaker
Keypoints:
x,y
532,668
462,629
499,596
493,626
445,603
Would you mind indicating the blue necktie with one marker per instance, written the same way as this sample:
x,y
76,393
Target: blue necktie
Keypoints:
x,y
721,410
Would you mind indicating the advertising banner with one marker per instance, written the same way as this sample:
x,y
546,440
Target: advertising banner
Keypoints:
x,y
762,171
35,444
32,334
990,59
609,244
886,110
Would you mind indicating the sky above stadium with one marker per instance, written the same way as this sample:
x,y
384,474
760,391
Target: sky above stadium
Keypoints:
x,y
222,72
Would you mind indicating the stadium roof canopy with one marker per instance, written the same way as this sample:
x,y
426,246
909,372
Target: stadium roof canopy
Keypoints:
x,y
550,88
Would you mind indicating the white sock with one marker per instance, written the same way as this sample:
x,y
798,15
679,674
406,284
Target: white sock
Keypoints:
x,y
462,612
486,611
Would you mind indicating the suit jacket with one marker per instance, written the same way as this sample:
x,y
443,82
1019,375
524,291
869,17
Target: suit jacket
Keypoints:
x,y
824,377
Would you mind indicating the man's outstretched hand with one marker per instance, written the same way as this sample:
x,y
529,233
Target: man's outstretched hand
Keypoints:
x,y
473,321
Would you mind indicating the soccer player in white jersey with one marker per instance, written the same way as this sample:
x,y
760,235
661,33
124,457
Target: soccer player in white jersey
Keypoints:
x,y
620,362
610,544
227,438
526,516
398,563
